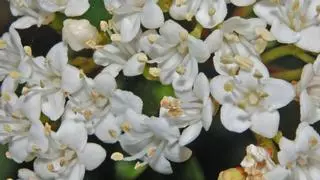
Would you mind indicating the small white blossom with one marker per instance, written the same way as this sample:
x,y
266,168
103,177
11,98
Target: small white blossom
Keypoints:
x,y
153,141
292,21
237,46
241,2
68,7
249,102
129,14
79,34
177,53
301,155
192,111
209,13
308,88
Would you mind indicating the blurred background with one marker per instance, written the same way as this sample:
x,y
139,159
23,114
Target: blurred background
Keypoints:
x,y
213,151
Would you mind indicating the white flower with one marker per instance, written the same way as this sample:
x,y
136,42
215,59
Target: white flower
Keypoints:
x,y
79,34
26,174
192,110
301,156
292,21
177,54
249,102
21,128
308,89
126,56
54,79
68,7
209,13
258,164
154,142
237,46
66,163
241,2
129,14
15,61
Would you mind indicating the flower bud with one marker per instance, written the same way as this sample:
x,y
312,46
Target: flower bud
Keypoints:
x,y
79,34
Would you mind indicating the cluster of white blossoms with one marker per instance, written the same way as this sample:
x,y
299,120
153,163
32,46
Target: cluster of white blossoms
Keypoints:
x,y
38,91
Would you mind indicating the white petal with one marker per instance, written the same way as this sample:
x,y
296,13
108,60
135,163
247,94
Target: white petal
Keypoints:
x,y
207,113
266,10
70,80
123,100
133,67
18,149
234,119
283,33
130,26
278,173
58,57
26,174
112,69
190,133
198,49
214,40
304,134
106,128
201,87
76,7
92,156
53,105
161,165
217,89
176,153
306,76
37,137
105,84
77,172
73,134
308,110
178,12
152,16
172,31
242,2
265,123
309,38
316,66
209,21
9,85
109,54
40,167
275,99
24,22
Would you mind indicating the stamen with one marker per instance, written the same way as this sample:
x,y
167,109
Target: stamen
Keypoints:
x,y
189,16
104,26
155,72
117,156
126,126
116,37
113,133
14,74
228,86
264,34
180,69
152,38
244,62
47,129
253,99
7,128
232,37
212,11
28,50
142,58
183,35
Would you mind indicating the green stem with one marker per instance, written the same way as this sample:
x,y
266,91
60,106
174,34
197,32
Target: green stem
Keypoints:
x,y
288,75
286,50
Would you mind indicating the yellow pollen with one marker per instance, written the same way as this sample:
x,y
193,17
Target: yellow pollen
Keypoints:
x,y
212,11
189,16
151,151
6,96
113,133
313,141
232,37
152,38
14,74
82,74
116,37
91,44
180,69
227,59
117,156
125,126
142,58
155,72
50,167
7,128
28,50
228,86
183,35
257,74
3,44
87,114
47,129
104,26
253,98
138,165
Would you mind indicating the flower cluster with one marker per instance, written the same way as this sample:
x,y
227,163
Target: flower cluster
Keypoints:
x,y
38,92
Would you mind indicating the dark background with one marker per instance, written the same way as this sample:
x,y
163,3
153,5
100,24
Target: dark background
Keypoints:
x,y
213,151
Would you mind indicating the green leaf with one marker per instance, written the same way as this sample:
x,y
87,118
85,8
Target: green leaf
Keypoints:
x,y
96,13
8,167
193,170
125,170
